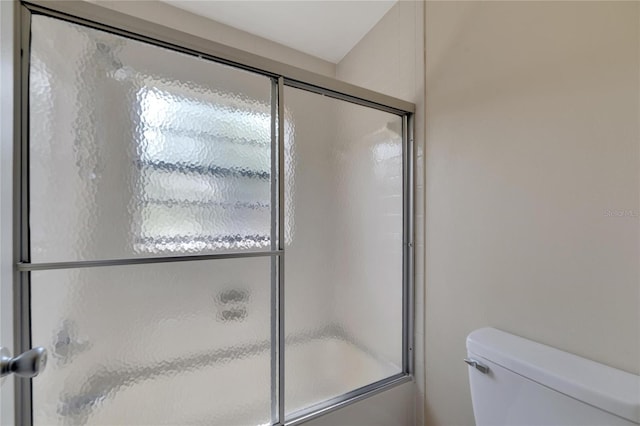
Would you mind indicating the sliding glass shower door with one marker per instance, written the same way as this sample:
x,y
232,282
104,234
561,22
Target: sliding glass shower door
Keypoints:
x,y
140,156
343,243
202,242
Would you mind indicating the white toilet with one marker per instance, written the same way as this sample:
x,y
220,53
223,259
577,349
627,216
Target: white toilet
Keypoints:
x,y
515,381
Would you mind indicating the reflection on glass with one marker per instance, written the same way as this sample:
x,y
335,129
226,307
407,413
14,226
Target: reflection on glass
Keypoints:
x,y
137,150
227,189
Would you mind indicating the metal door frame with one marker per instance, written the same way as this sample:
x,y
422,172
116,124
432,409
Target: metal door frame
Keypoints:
x,y
14,146
9,125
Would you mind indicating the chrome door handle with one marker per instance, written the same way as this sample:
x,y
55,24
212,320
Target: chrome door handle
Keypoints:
x,y
27,364
477,365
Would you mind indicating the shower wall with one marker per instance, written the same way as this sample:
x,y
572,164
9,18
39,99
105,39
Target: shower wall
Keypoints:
x,y
310,215
370,232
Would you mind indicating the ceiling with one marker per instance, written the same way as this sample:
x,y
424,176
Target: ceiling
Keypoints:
x,y
326,29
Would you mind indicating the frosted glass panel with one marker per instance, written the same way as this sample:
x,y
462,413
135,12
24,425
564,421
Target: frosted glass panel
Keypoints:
x,y
137,150
343,234
171,343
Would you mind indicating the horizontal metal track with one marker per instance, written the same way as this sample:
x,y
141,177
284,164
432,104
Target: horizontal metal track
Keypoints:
x,y
83,12
341,96
143,260
352,397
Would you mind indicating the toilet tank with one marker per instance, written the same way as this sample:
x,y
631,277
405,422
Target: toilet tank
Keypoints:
x,y
527,383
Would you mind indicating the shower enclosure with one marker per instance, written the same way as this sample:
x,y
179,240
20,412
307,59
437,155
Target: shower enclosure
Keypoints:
x,y
205,236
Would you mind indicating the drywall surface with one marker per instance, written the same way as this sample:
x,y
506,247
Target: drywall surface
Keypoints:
x,y
170,16
532,184
390,59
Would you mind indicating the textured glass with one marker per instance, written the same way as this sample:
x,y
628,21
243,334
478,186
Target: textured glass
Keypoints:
x,y
137,150
171,343
343,235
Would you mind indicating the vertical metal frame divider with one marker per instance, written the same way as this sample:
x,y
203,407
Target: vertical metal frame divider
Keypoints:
x,y
281,259
9,204
275,178
408,243
281,75
22,284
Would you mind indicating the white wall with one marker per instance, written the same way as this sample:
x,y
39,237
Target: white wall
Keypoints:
x,y
531,153
390,60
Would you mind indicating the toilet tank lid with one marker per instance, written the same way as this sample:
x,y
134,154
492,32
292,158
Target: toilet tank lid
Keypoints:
x,y
607,388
